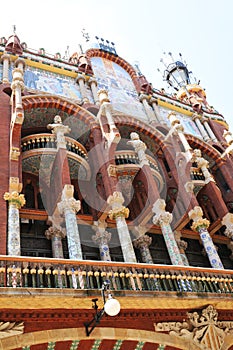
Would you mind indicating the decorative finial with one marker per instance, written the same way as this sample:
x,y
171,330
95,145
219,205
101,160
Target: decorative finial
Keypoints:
x,y
85,35
14,28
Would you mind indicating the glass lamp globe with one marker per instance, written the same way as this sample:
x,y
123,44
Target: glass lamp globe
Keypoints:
x,y
112,306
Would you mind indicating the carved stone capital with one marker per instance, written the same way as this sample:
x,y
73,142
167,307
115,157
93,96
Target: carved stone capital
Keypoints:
x,y
102,237
92,81
161,216
67,201
201,223
116,199
14,198
69,204
118,212
143,97
196,213
198,222
143,241
103,96
20,62
54,232
5,56
228,222
162,219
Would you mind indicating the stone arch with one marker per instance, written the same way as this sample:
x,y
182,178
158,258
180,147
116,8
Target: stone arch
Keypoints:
x,y
67,334
204,147
46,101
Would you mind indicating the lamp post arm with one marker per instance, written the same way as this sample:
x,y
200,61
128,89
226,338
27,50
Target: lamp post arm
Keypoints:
x,y
90,326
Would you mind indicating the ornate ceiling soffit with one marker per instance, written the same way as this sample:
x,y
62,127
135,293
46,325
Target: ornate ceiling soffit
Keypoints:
x,y
7,329
202,329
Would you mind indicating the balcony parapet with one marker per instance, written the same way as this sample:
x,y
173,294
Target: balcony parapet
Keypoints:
x,y
48,141
86,274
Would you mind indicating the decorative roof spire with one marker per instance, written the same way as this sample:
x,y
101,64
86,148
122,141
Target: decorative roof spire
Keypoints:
x,y
13,43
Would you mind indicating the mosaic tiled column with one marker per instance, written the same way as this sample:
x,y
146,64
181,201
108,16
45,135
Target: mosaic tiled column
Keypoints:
x,y
81,82
200,225
68,207
93,84
155,107
5,59
102,237
144,99
182,245
196,117
209,130
15,202
56,236
163,219
175,123
119,213
142,243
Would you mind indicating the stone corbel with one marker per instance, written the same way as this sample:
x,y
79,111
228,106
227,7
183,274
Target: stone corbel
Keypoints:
x,y
14,153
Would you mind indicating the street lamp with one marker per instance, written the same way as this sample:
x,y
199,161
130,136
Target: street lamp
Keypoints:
x,y
111,308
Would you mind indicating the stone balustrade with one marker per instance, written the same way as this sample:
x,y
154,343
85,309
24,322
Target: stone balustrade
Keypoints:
x,y
60,273
38,141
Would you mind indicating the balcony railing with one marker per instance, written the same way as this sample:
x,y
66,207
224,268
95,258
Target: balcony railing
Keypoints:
x,y
61,273
39,141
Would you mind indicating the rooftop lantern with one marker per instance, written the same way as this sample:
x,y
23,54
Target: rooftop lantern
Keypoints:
x,y
176,73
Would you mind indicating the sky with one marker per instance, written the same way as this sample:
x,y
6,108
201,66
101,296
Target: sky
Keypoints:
x,y
142,31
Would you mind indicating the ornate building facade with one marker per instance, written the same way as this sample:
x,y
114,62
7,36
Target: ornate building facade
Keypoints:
x,y
109,181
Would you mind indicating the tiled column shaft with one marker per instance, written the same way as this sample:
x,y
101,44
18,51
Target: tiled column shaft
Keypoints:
x,y
200,225
164,218
119,213
69,206
15,201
